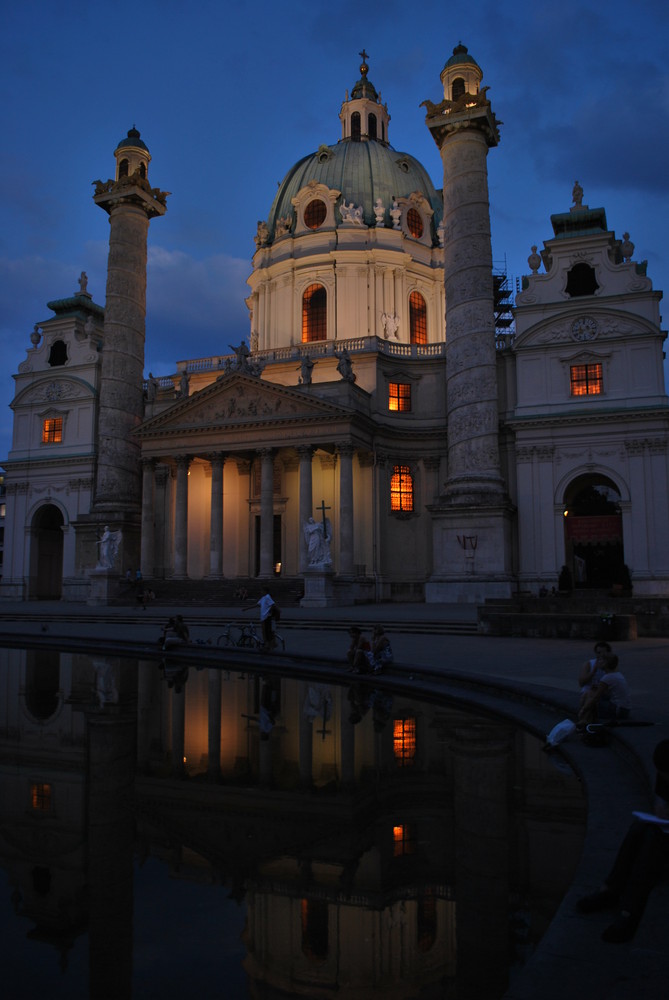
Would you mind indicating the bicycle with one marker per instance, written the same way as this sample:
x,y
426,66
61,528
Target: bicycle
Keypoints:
x,y
246,636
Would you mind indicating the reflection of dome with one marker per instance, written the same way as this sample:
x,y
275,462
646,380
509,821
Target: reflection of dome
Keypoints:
x,y
363,172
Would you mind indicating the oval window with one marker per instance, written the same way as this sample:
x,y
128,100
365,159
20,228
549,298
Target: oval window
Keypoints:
x,y
314,214
414,223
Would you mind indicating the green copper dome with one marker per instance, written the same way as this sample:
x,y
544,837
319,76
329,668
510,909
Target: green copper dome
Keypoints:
x,y
461,55
363,171
133,140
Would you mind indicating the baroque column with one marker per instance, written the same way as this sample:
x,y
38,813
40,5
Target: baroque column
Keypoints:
x,y
266,512
346,510
306,502
474,510
216,526
131,203
181,519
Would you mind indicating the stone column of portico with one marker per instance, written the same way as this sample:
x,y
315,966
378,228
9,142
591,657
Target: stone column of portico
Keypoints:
x,y
181,519
216,525
306,501
346,510
214,713
148,503
266,512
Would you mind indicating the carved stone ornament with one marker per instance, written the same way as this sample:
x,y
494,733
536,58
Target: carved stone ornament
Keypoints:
x,y
534,260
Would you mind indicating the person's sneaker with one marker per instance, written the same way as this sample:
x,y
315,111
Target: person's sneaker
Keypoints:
x,y
596,901
622,929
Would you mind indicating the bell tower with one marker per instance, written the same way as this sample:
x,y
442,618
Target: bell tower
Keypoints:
x,y
472,519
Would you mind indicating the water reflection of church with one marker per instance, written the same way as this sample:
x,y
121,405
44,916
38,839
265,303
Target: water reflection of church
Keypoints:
x,y
361,830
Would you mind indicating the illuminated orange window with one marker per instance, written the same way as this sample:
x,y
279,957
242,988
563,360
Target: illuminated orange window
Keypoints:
x,y
414,225
314,214
399,397
52,430
586,380
417,318
40,796
314,314
404,742
403,840
401,489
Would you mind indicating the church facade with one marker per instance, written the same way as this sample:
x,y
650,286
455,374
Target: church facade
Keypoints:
x,y
444,458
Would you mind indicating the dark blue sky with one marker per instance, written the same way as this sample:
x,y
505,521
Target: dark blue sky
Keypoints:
x,y
228,96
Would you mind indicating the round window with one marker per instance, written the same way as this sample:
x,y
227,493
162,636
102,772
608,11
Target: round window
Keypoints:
x,y
314,214
414,223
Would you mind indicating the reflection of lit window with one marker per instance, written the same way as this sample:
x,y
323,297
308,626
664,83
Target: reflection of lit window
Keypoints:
x,y
403,840
586,380
414,223
399,397
52,430
401,489
315,928
404,741
417,318
40,796
314,314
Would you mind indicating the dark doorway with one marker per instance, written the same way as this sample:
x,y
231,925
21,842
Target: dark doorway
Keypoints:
x,y
276,545
46,557
594,533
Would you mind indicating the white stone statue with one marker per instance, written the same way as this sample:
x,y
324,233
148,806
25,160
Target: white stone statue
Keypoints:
x,y
396,215
351,213
379,212
105,683
390,323
108,547
318,536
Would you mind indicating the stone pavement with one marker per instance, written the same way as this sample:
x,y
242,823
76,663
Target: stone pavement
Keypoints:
x,y
532,681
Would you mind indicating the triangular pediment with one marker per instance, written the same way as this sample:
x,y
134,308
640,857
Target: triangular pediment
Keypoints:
x,y
236,401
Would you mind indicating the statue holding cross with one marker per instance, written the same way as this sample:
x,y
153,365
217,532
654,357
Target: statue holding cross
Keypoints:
x,y
318,536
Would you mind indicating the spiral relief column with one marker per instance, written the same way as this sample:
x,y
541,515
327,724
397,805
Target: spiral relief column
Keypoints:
x,y
472,520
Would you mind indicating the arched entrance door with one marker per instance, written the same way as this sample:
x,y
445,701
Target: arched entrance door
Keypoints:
x,y
46,556
594,532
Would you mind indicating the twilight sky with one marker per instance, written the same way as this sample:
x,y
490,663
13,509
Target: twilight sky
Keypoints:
x,y
229,96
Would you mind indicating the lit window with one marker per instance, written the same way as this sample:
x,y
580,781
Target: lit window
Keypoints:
x,y
403,840
314,314
417,318
586,380
401,489
314,214
404,741
399,397
40,796
414,223
52,430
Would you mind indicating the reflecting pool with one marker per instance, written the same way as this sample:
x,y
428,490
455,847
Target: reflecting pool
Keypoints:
x,y
169,831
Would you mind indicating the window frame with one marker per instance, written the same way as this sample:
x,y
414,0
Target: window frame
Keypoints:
x,y
400,393
403,471
589,383
52,434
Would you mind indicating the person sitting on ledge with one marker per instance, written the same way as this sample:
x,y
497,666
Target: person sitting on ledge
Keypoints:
x,y
610,701
639,862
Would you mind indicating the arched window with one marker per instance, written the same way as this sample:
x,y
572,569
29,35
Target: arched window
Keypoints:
x,y
123,168
355,126
371,126
142,170
314,314
315,944
414,223
401,489
458,88
581,280
58,353
417,318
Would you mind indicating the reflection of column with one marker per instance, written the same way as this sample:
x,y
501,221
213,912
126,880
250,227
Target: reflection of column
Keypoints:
x,y
112,742
181,519
481,772
146,671
306,738
214,709
266,512
346,510
178,729
148,498
216,523
306,502
347,736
